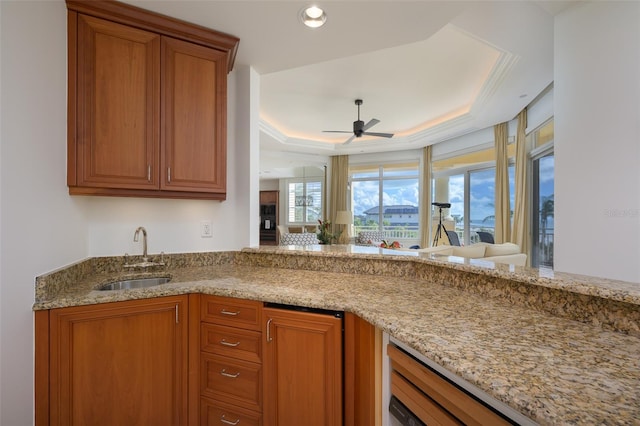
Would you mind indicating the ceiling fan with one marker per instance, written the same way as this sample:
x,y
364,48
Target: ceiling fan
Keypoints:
x,y
359,128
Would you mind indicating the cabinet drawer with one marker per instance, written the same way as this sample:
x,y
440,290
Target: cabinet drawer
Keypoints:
x,y
421,405
232,312
232,381
450,398
231,342
216,413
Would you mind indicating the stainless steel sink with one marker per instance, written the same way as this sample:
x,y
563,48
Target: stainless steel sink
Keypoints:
x,y
134,283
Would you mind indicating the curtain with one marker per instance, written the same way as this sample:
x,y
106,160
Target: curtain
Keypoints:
x,y
425,198
521,226
503,211
338,192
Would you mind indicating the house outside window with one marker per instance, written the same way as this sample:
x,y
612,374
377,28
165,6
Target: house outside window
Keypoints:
x,y
390,192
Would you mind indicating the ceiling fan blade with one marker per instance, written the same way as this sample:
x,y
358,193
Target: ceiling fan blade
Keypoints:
x,y
348,141
371,123
382,135
337,131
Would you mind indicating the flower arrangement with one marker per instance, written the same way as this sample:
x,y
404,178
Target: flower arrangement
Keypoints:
x,y
324,235
393,245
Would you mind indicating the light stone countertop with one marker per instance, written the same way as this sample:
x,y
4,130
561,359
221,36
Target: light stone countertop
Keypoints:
x,y
553,370
624,291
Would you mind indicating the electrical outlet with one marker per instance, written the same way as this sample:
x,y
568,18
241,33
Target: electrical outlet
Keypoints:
x,y
205,229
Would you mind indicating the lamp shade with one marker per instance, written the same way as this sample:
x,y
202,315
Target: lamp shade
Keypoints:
x,y
344,217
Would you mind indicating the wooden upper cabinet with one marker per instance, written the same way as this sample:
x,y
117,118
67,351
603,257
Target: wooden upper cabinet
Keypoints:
x,y
146,105
119,105
193,117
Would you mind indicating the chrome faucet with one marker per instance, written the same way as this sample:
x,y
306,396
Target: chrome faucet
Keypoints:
x,y
144,241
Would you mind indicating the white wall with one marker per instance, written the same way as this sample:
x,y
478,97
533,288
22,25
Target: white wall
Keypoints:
x,y
44,228
597,140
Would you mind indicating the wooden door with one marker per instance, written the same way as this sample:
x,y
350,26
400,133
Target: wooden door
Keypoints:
x,y
122,363
302,369
118,101
194,117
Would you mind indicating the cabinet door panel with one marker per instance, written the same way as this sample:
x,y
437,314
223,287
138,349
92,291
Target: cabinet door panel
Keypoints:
x,y
194,119
118,93
303,369
119,363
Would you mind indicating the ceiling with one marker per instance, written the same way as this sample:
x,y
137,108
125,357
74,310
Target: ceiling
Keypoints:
x,y
428,70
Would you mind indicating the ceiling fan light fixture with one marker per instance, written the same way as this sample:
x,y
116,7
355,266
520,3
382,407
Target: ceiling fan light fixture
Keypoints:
x,y
313,16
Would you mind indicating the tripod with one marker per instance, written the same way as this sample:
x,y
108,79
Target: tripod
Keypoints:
x,y
441,228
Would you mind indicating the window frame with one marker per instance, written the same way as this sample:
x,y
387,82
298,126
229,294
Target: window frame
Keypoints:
x,y
305,182
535,154
466,172
380,178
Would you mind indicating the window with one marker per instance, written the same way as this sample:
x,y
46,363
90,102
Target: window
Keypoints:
x,y
304,200
390,192
468,183
542,229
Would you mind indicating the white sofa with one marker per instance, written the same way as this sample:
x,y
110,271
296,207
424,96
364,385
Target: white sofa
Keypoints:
x,y
497,253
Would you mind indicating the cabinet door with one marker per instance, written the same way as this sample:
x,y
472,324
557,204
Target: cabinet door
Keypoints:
x,y
269,197
118,101
194,117
302,368
120,363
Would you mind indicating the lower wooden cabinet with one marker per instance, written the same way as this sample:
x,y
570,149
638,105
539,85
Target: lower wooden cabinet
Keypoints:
x,y
121,363
203,360
302,368
230,368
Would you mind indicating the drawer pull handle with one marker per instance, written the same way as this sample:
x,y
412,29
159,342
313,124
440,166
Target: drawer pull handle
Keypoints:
x,y
229,422
225,374
269,338
225,312
225,343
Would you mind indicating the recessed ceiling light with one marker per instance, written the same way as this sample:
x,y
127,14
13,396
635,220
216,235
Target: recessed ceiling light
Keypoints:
x,y
313,16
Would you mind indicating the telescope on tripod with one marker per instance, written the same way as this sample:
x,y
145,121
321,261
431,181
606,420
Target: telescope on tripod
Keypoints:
x,y
441,227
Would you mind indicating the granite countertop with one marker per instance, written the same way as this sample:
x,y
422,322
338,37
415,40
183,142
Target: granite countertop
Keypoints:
x,y
624,291
553,370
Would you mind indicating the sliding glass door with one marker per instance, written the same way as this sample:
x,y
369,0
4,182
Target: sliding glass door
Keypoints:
x,y
543,227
